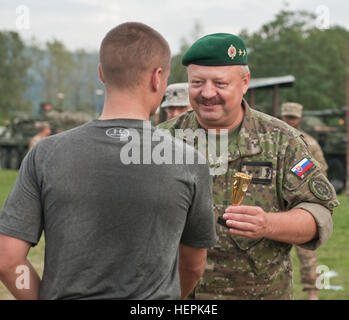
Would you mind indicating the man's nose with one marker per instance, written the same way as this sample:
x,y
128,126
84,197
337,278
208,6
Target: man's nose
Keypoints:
x,y
208,90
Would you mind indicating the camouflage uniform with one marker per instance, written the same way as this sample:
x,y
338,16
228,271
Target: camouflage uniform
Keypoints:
x,y
307,258
267,148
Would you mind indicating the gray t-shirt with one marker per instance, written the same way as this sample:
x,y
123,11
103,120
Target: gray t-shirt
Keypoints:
x,y
112,230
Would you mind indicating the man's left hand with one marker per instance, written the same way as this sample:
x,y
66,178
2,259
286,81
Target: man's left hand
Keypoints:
x,y
247,221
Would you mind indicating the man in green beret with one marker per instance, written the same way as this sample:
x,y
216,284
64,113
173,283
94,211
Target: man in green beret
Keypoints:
x,y
289,200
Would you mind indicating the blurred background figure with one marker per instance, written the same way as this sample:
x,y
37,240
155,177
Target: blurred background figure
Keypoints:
x,y
291,113
176,100
44,132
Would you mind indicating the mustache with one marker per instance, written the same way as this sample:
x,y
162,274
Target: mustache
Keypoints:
x,y
209,102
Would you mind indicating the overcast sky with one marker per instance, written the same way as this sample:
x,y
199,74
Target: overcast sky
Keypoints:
x,y
83,23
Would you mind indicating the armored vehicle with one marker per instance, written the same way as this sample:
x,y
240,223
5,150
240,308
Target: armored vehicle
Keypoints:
x,y
328,128
14,141
15,136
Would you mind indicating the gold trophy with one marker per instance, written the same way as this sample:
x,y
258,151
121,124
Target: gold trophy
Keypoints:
x,y
240,184
241,181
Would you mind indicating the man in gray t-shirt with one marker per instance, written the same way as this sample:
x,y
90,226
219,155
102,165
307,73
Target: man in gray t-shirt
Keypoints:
x,y
113,229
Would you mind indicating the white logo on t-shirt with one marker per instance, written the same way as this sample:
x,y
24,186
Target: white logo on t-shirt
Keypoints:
x,y
117,133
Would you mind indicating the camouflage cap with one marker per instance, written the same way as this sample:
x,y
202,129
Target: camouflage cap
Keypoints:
x,y
218,49
176,95
291,109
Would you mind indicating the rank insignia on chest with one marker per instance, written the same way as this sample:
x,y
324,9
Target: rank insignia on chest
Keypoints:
x,y
261,171
302,167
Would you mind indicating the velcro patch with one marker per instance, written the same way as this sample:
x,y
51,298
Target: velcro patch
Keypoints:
x,y
302,167
320,189
261,171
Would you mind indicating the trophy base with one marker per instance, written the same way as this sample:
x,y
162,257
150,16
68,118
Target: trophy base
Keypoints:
x,y
222,222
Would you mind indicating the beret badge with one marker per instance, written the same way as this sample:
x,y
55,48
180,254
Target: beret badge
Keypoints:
x,y
232,52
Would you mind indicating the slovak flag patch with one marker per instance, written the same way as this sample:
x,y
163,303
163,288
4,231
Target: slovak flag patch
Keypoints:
x,y
302,167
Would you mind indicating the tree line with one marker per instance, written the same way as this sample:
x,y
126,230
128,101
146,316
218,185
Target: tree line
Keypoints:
x,y
32,72
289,44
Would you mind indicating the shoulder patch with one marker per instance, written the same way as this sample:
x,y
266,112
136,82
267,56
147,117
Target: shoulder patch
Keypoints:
x,y
320,189
302,167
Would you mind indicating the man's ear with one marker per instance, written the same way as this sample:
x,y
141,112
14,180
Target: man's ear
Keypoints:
x,y
100,73
246,81
156,79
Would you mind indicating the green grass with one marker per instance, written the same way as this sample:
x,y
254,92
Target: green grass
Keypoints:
x,y
7,178
36,254
334,253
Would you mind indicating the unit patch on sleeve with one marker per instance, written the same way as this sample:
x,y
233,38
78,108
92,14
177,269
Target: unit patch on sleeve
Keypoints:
x,y
320,189
302,167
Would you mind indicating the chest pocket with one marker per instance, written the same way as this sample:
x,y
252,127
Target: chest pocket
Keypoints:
x,y
262,174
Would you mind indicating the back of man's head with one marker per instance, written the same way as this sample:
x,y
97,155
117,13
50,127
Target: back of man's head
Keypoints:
x,y
128,51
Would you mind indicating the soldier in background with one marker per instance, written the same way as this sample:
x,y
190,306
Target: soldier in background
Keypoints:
x,y
45,132
291,113
176,100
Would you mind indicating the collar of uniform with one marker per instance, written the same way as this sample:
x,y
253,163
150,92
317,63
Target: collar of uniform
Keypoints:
x,y
188,121
248,140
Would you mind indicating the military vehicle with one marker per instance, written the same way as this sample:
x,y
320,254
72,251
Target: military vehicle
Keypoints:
x,y
328,128
14,141
15,136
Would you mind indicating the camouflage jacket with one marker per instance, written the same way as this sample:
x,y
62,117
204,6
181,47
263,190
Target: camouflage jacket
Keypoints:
x,y
268,149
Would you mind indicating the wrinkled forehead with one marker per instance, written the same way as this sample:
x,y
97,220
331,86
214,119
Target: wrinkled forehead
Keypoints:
x,y
212,72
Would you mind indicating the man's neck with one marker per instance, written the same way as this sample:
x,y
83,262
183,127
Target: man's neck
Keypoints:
x,y
122,105
121,114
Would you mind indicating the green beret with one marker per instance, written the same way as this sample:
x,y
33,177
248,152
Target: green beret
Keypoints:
x,y
218,49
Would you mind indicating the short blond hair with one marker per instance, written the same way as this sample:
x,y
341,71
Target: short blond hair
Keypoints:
x,y
128,51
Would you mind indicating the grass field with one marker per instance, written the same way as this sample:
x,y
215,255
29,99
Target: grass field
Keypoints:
x,y
334,254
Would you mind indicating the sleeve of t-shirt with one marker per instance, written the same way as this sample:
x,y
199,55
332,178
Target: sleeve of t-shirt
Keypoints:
x,y
21,216
199,230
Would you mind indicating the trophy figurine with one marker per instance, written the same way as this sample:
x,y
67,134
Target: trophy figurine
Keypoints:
x,y
241,181
240,184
